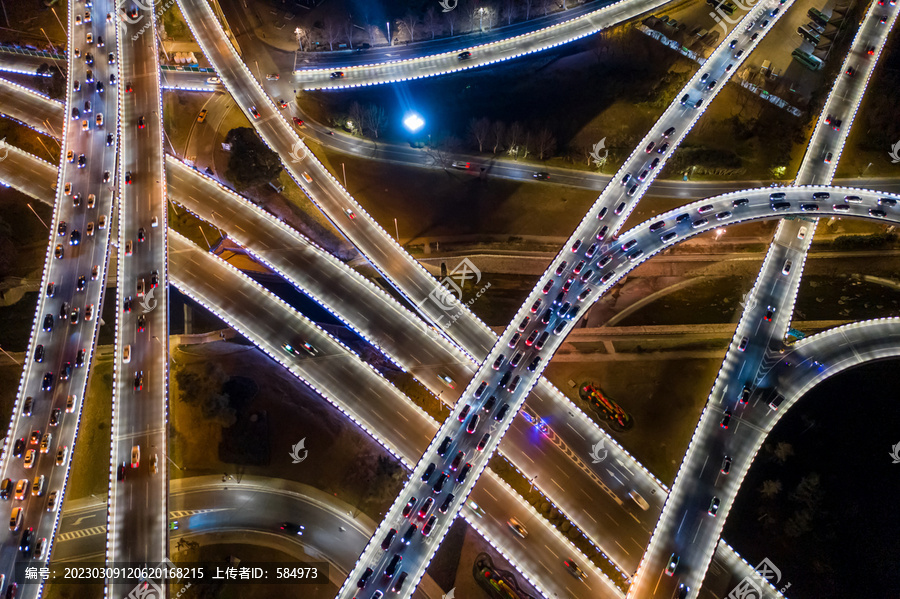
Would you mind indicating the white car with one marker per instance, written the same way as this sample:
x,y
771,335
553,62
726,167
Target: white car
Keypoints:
x,y
154,222
801,234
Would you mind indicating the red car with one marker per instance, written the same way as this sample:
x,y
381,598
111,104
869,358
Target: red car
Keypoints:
x,y
298,122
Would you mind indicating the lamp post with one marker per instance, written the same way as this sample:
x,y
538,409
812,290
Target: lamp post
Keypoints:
x,y
38,216
390,42
9,356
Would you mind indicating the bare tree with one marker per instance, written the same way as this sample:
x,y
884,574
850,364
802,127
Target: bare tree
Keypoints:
x,y
544,143
528,6
375,119
332,31
479,129
515,135
546,5
783,451
410,21
432,22
509,9
452,19
498,131
770,488
348,32
372,30
357,115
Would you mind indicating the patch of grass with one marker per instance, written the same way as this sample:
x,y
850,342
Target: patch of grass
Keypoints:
x,y
16,323
665,398
341,459
438,204
180,115
197,230
90,474
175,25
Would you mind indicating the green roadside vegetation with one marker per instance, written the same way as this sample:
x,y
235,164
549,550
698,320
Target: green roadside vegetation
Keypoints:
x,y
234,410
175,26
180,112
664,397
552,514
197,230
90,472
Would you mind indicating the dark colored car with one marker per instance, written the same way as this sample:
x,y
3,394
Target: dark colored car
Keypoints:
x,y
460,456
388,539
444,446
408,535
48,323
47,384
428,472
54,417
19,448
439,484
446,505
364,579
139,380
461,477
726,419
409,506
39,353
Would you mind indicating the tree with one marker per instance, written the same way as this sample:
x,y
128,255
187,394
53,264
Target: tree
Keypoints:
x,y
544,143
357,116
410,21
770,488
372,30
432,22
529,4
498,133
515,135
452,18
348,32
332,31
783,451
509,9
809,491
374,119
479,129
251,162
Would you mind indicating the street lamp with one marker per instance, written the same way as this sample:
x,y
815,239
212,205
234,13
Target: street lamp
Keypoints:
x,y
390,42
481,12
38,216
299,34
414,122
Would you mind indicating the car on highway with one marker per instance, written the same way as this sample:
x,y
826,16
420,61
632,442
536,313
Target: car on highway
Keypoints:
x,y
59,253
713,506
776,401
29,458
54,417
726,419
769,312
45,442
574,570
364,579
388,539
726,465
464,55
350,214
135,456
337,75
26,407
65,372
39,353
517,527
19,448
674,559
71,401
47,382
682,591
786,269
27,538
254,112
743,344
541,176
139,380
